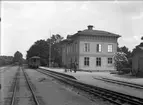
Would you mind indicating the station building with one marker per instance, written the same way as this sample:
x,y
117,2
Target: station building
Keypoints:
x,y
90,49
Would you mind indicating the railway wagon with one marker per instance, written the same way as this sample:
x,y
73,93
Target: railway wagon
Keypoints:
x,y
34,62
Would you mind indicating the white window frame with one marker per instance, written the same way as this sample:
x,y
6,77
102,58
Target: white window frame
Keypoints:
x,y
98,61
99,48
86,47
110,60
86,61
110,47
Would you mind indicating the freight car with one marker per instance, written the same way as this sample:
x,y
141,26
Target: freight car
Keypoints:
x,y
34,62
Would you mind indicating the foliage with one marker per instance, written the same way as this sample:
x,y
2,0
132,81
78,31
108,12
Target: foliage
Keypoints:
x,y
56,49
142,38
126,70
24,61
41,48
119,60
126,51
18,57
56,39
6,60
135,49
128,54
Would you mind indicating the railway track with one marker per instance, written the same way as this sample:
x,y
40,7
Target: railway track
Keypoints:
x,y
112,96
133,85
15,88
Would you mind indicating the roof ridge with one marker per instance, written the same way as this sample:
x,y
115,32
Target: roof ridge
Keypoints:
x,y
97,32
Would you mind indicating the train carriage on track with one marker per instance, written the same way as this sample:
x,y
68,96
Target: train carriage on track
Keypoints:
x,y
34,62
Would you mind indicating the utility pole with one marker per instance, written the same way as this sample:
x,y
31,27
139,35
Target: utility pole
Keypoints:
x,y
50,50
0,35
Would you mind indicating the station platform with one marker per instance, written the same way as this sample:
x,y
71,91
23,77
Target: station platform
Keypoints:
x,y
82,75
88,77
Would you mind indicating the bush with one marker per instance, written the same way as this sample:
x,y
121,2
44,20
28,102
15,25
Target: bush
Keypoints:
x,y
126,70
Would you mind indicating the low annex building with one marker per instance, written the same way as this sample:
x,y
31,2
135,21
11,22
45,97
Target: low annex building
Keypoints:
x,y
137,60
90,49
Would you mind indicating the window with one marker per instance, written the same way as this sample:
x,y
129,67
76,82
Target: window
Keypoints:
x,y
76,47
98,47
71,60
86,61
73,47
98,61
86,47
68,49
109,60
110,48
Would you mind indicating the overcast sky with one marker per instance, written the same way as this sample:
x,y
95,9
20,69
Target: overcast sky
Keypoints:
x,y
25,22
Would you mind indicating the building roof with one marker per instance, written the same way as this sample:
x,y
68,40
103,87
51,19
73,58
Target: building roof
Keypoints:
x,y
96,33
91,32
68,41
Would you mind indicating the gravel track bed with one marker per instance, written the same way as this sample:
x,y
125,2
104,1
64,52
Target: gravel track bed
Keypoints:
x,y
55,92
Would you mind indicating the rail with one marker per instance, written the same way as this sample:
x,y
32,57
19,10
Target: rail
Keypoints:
x,y
31,89
112,96
15,87
138,86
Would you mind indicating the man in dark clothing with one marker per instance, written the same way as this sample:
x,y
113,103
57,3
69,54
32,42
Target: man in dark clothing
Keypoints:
x,y
75,67
71,67
65,68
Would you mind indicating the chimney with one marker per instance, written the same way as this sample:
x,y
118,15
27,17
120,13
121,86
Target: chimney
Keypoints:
x,y
90,27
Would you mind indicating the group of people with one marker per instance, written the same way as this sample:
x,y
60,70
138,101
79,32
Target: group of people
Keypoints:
x,y
71,67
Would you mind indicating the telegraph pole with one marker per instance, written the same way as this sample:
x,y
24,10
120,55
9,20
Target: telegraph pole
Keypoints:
x,y
0,36
50,50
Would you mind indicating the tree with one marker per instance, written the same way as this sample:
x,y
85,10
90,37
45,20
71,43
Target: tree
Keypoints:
x,y
142,38
56,57
56,38
140,45
128,54
119,60
39,48
42,48
126,51
6,60
18,57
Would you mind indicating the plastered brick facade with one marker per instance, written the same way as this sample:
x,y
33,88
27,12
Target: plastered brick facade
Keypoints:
x,y
73,50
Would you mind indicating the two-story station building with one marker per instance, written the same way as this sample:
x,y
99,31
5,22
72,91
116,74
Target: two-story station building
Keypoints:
x,y
90,49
